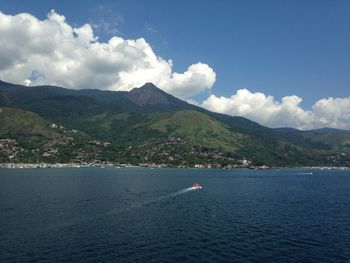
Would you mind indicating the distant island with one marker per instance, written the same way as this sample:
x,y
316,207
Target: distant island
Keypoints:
x,y
48,126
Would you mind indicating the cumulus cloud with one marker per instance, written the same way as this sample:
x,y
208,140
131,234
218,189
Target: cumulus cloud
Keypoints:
x,y
333,112
60,54
197,78
264,109
27,82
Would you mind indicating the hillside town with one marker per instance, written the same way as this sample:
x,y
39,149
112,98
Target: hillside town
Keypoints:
x,y
168,154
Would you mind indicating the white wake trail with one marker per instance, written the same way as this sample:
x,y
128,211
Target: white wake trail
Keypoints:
x,y
179,192
154,200
114,211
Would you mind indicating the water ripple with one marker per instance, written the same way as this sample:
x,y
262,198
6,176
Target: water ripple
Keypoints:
x,y
273,216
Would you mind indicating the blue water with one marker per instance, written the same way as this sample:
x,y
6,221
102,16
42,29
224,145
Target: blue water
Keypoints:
x,y
150,215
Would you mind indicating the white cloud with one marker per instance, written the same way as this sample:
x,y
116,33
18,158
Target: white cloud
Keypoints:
x,y
266,110
197,78
59,54
333,112
193,102
27,82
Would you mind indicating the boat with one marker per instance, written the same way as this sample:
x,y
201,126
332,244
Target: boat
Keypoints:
x,y
196,186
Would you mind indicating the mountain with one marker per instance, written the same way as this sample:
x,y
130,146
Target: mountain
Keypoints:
x,y
147,125
332,131
26,137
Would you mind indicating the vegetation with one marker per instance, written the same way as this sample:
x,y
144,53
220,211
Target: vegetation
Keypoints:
x,y
148,127
26,137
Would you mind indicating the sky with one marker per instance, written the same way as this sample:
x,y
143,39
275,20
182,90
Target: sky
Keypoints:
x,y
280,63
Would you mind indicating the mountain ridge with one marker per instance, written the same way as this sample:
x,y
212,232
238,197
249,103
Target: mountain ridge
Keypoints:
x,y
147,120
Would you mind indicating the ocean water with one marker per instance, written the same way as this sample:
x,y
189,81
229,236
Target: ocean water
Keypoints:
x,y
151,215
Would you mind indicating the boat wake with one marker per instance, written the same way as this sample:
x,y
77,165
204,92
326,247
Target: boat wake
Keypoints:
x,y
115,211
179,192
157,199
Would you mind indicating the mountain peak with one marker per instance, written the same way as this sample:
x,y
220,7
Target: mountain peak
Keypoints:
x,y
148,94
149,85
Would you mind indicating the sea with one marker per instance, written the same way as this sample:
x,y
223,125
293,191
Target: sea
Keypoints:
x,y
153,215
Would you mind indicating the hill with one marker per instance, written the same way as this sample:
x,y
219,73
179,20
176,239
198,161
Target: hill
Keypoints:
x,y
26,137
147,125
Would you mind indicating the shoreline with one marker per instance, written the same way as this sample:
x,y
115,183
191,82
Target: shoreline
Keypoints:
x,y
153,166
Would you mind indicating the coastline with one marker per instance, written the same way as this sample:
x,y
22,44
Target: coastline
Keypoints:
x,y
152,166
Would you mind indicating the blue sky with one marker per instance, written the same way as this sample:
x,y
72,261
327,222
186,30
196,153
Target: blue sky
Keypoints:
x,y
277,48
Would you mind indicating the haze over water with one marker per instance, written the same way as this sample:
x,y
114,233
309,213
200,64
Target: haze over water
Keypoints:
x,y
152,215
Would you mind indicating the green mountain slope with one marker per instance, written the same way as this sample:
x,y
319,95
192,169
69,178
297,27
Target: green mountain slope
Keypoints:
x,y
26,137
200,129
147,125
16,123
